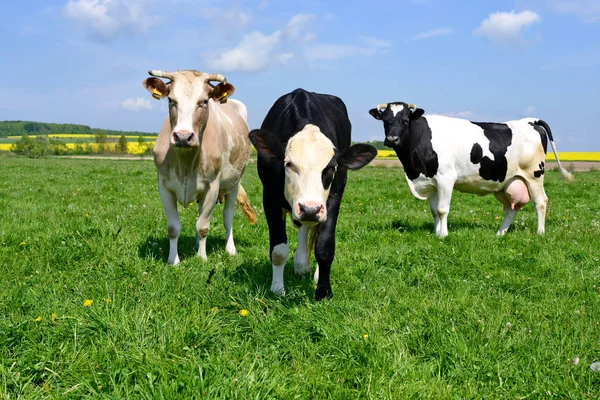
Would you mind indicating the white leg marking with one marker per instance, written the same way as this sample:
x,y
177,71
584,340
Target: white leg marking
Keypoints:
x,y
433,206
279,257
173,222
538,195
228,212
509,216
205,209
316,277
301,266
444,192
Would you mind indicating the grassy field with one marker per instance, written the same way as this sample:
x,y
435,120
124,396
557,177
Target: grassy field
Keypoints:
x,y
90,309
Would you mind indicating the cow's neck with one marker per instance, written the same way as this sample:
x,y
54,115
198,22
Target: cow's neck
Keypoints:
x,y
408,148
186,162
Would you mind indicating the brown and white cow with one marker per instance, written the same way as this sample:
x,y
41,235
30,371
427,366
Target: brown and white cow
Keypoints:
x,y
201,152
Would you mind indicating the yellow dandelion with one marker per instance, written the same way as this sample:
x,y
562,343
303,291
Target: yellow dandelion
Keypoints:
x,y
53,318
38,319
244,313
215,309
22,244
366,335
86,215
88,302
107,300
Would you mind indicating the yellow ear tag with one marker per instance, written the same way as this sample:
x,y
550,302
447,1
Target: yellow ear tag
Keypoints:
x,y
156,94
224,94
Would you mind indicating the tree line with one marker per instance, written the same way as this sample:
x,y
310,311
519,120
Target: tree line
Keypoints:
x,y
20,128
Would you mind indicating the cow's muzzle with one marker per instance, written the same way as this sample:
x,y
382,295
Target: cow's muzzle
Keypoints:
x,y
181,139
310,212
391,141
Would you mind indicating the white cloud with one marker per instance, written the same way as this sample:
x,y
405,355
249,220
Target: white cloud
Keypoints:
x,y
507,27
107,19
231,18
294,28
254,53
137,104
529,110
330,51
257,51
432,33
587,10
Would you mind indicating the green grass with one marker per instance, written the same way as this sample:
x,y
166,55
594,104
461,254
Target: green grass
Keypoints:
x,y
472,316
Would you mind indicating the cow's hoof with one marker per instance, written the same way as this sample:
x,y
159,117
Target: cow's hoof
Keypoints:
x,y
278,289
301,269
323,292
174,261
231,251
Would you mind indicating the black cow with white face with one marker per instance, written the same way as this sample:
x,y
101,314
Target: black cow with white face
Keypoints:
x,y
440,154
304,154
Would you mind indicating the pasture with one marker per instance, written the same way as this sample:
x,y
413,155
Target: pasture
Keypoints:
x,y
91,309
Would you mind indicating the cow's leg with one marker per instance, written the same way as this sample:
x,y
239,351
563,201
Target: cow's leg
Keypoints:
x,y
325,248
228,212
206,205
278,246
538,195
173,223
301,265
444,192
433,206
509,216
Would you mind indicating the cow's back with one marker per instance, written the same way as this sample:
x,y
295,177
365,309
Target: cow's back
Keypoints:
x,y
293,111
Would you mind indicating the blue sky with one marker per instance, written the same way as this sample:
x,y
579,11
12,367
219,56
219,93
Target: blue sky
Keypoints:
x,y
83,61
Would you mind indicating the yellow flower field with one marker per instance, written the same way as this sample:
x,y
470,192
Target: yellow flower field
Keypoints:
x,y
82,136
132,148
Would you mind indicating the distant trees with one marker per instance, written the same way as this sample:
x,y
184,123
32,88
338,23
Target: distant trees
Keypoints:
x,y
122,144
19,128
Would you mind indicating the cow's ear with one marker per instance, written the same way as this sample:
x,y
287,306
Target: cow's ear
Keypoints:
x,y
157,88
266,144
222,91
416,114
375,113
357,156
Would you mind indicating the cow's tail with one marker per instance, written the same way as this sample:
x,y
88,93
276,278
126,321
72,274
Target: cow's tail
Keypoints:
x,y
244,203
563,172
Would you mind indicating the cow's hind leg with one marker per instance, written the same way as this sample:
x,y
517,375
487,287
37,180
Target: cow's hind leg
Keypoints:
x,y
301,265
509,216
228,212
444,193
433,206
538,195
173,223
206,205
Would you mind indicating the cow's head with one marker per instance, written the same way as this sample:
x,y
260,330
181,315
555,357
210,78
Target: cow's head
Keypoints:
x,y
396,119
189,93
309,162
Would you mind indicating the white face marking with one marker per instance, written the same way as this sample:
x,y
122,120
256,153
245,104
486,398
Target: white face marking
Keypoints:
x,y
306,156
396,108
188,91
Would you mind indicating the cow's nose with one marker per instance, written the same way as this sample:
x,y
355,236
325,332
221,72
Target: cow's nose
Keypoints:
x,y
182,139
310,212
391,141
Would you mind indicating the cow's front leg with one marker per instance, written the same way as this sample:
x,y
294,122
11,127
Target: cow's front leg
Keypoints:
x,y
433,206
325,248
228,212
206,205
509,216
173,223
278,246
444,193
301,264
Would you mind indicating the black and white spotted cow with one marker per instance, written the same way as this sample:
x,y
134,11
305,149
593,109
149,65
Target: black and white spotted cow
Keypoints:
x,y
304,154
440,154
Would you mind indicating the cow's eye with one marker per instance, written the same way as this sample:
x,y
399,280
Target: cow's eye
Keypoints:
x,y
290,166
172,102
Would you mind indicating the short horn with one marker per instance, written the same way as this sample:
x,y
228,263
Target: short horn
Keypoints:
x,y
216,78
412,106
381,106
161,74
